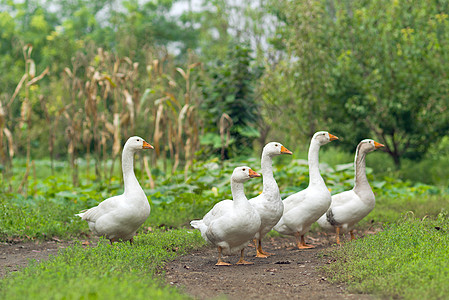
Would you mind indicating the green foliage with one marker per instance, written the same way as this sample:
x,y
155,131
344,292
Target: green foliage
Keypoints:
x,y
50,207
214,24
306,70
399,99
104,272
59,29
365,69
431,170
321,71
230,91
406,260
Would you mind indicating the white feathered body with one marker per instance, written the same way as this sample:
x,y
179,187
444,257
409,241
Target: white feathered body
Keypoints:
x,y
347,209
228,226
270,209
118,217
302,209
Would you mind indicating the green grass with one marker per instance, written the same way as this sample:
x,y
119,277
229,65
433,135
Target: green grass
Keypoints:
x,y
407,260
120,271
390,209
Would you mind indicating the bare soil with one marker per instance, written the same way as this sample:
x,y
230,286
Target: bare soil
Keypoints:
x,y
17,254
289,274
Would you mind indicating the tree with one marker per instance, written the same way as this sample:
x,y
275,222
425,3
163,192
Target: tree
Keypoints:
x,y
297,84
364,69
390,74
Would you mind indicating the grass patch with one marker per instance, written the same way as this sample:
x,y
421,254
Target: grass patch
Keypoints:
x,y
120,271
390,209
408,260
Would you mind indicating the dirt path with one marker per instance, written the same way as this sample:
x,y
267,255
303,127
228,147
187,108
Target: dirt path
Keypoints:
x,y
16,255
290,274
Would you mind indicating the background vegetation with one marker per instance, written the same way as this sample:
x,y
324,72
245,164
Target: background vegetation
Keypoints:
x,y
209,83
220,78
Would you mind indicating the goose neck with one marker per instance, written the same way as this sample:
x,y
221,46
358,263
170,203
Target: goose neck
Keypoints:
x,y
238,193
129,178
313,159
360,170
269,183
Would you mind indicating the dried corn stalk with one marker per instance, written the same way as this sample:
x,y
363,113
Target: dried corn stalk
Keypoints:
x,y
225,132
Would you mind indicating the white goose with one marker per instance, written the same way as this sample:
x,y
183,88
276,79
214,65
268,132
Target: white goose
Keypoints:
x,y
349,207
305,207
231,224
269,204
119,217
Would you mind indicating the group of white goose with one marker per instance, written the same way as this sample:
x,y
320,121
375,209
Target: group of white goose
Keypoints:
x,y
231,224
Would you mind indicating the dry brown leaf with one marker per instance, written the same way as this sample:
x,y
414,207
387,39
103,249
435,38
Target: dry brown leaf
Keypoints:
x,y
36,79
31,68
10,142
181,71
2,116
68,72
129,104
157,129
110,128
117,144
191,66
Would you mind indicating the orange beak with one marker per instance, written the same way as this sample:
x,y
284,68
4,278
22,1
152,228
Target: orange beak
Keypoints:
x,y
378,145
147,146
332,137
253,174
285,150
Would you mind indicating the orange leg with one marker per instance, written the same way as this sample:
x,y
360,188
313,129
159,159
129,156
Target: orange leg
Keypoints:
x,y
242,261
337,231
352,234
260,252
302,243
220,261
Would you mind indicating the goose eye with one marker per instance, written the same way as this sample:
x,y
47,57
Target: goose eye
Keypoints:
x,y
243,169
277,145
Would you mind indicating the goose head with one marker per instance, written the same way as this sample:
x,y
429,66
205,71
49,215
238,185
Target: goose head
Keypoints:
x,y
369,145
136,143
274,149
242,174
323,137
